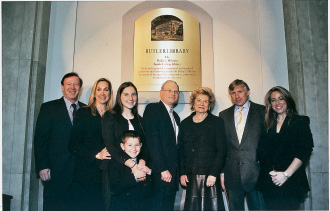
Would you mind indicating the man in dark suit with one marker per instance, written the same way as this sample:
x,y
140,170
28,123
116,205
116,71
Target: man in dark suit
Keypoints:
x,y
162,127
54,162
244,122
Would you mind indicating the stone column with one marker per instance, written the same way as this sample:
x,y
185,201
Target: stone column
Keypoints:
x,y
306,33
25,27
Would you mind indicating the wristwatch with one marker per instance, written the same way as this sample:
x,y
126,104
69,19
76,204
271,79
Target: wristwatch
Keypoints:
x,y
286,175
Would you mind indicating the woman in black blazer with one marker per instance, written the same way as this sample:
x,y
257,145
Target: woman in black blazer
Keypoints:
x,y
123,117
203,153
283,151
87,146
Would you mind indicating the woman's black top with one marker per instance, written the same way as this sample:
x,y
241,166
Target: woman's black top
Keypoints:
x,y
113,126
276,151
202,146
85,142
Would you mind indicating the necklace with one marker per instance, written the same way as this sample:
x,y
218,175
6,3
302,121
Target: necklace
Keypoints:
x,y
101,112
280,120
197,120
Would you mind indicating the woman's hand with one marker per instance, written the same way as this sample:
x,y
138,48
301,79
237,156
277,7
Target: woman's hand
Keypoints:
x,y
184,180
278,177
210,180
104,154
145,169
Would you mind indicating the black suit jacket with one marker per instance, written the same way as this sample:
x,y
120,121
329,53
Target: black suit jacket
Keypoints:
x,y
241,162
277,151
113,126
51,140
161,141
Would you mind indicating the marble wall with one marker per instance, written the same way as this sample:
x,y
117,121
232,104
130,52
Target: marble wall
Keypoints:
x,y
24,51
306,29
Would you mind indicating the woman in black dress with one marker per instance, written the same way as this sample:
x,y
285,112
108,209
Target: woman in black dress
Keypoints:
x,y
203,153
87,146
123,117
283,151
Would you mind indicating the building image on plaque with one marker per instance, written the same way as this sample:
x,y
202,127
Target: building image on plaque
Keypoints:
x,y
167,27
162,53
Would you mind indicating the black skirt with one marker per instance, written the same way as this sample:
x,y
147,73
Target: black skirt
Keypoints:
x,y
201,197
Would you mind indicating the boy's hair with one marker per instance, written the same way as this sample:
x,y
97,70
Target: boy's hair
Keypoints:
x,y
129,134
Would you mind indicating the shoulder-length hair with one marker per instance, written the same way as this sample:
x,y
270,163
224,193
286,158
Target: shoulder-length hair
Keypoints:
x,y
205,91
271,115
118,108
92,99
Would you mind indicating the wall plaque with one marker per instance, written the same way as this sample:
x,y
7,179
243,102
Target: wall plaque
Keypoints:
x,y
167,46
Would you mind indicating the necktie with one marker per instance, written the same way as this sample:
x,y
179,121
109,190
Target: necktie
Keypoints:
x,y
240,124
74,113
173,121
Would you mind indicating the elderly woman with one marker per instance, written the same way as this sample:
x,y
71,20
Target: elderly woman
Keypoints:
x,y
203,153
283,151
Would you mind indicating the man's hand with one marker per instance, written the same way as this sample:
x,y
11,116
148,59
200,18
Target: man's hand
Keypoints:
x,y
44,174
184,180
223,181
166,176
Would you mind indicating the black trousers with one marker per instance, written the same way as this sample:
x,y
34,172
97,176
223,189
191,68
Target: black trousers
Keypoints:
x,y
85,197
55,196
163,196
283,202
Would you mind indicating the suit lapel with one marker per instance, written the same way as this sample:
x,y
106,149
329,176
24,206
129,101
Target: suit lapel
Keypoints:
x,y
250,120
167,116
231,122
64,112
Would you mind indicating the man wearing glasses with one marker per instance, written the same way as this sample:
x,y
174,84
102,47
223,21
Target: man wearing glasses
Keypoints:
x,y
162,128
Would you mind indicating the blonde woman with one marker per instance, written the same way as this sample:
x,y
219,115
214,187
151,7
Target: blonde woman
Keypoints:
x,y
87,145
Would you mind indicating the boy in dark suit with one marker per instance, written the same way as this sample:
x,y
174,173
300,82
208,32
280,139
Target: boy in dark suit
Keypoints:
x,y
128,192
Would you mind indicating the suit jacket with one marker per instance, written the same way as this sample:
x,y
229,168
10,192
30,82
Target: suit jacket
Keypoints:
x,y
127,193
277,151
161,140
85,142
113,126
241,165
203,146
51,141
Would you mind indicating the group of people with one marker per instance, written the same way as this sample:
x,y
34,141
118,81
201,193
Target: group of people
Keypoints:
x,y
107,157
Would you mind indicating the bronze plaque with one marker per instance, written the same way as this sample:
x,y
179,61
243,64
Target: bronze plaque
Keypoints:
x,y
167,47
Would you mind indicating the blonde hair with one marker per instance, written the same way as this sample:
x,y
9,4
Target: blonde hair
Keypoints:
x,y
205,91
92,99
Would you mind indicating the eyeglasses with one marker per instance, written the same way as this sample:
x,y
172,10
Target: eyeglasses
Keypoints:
x,y
170,91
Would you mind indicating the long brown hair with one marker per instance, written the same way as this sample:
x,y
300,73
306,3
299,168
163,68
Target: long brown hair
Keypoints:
x,y
118,108
271,115
92,99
